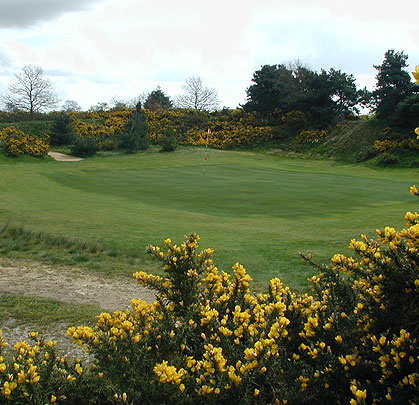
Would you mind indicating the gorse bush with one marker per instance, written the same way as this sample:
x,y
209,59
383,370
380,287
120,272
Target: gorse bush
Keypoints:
x,y
16,143
208,339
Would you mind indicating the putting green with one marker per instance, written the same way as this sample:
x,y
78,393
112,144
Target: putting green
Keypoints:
x,y
255,208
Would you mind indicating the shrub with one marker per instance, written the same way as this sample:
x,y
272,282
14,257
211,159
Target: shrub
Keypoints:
x,y
84,146
312,136
388,159
16,143
168,141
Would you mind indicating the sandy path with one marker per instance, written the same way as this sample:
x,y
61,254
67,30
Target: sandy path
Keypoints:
x,y
64,158
65,284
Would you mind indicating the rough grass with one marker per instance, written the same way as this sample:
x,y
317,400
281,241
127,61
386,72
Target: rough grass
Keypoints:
x,y
256,208
44,311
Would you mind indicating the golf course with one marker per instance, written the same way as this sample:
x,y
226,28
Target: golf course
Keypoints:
x,y
257,208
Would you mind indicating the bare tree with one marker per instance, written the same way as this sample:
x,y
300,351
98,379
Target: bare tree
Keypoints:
x,y
30,92
197,95
70,106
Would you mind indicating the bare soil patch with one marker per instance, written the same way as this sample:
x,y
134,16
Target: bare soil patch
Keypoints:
x,y
67,284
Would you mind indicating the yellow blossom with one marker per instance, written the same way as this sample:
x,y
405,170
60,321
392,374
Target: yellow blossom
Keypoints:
x,y
416,74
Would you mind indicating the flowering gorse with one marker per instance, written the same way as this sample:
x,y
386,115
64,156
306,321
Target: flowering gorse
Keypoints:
x,y
16,143
209,339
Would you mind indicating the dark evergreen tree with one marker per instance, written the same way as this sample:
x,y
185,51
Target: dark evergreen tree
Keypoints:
x,y
343,92
393,84
135,137
157,100
62,131
407,112
272,89
324,96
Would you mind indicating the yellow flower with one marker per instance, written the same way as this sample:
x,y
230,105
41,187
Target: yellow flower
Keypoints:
x,y
256,392
416,74
338,339
78,368
53,399
414,190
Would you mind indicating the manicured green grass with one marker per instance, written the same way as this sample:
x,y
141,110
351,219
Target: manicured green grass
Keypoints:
x,y
256,208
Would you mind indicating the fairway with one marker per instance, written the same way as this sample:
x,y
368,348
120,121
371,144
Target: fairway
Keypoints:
x,y
255,208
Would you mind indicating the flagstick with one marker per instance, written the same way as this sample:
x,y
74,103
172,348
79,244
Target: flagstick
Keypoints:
x,y
206,150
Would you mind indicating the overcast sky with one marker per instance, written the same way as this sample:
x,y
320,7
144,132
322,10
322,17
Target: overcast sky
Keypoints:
x,y
94,50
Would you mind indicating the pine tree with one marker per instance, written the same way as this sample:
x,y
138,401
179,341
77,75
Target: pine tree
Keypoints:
x,y
393,84
135,136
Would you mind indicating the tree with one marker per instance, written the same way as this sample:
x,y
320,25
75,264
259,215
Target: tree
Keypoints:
x,y
407,112
271,90
31,92
324,96
99,107
393,84
70,106
62,131
197,96
135,136
344,92
157,100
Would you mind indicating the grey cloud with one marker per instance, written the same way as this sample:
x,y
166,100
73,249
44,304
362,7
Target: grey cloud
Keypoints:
x,y
25,13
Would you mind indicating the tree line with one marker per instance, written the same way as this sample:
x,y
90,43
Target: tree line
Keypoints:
x,y
325,97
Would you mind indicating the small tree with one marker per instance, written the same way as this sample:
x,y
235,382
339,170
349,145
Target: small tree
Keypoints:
x,y
157,100
197,96
168,141
31,92
62,132
135,136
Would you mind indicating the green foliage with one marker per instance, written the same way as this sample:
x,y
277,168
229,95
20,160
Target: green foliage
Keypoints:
x,y
168,141
135,134
62,131
157,100
16,143
84,146
324,96
407,112
393,84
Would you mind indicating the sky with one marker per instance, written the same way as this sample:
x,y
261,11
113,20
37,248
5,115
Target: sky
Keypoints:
x,y
94,51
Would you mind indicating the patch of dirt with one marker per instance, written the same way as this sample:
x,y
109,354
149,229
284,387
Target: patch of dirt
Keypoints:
x,y
67,284
64,158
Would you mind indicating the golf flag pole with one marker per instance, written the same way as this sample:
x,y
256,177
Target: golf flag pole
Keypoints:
x,y
209,132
